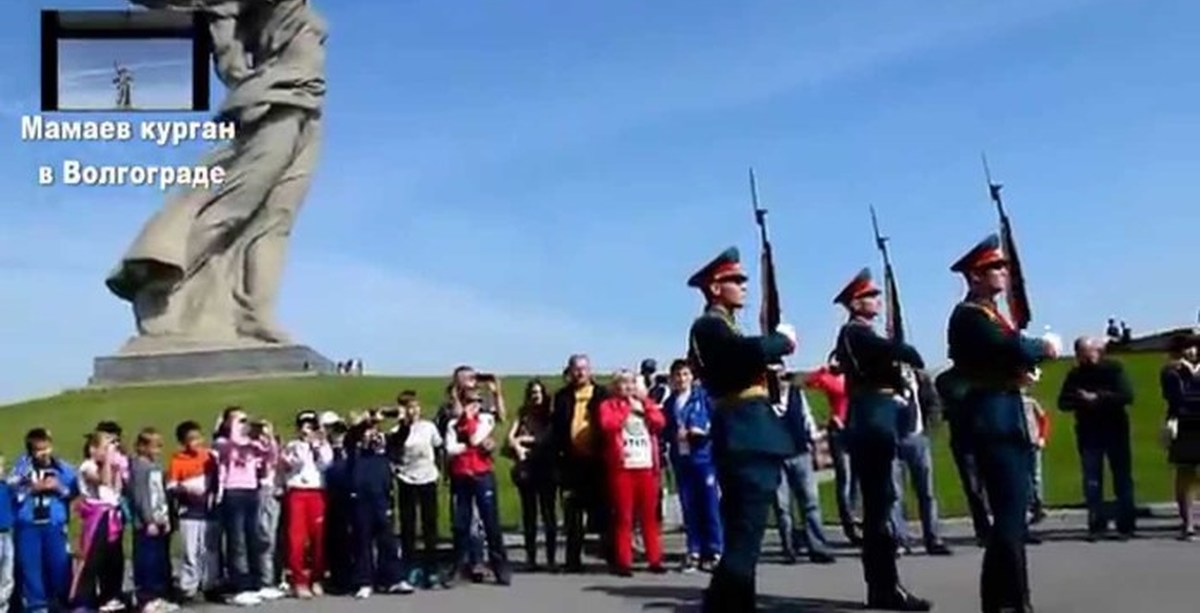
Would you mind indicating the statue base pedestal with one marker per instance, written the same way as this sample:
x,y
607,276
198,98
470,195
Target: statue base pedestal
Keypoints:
x,y
210,364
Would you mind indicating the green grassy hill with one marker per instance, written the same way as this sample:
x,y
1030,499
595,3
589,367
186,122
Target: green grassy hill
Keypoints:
x,y
70,415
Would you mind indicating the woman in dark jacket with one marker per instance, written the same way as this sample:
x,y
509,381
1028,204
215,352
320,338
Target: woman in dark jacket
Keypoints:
x,y
534,472
1180,380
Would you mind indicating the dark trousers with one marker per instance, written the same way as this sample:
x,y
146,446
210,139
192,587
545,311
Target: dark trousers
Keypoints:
x,y
414,498
748,487
845,481
102,577
239,523
376,552
962,449
339,543
584,507
1005,468
43,566
539,495
151,566
872,459
1113,445
477,492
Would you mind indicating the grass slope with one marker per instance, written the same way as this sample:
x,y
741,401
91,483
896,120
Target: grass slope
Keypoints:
x,y
70,415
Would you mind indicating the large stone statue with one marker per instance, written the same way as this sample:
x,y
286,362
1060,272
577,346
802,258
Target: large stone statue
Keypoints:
x,y
205,271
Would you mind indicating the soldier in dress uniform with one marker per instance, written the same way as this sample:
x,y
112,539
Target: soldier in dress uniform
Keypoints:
x,y
878,413
749,442
992,360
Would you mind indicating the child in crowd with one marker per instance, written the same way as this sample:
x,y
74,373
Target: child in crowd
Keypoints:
x,y
243,449
412,447
270,508
1038,424
469,446
339,558
375,552
151,524
7,554
192,483
44,486
304,462
99,584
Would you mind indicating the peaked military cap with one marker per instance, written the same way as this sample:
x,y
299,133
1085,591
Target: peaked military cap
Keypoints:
x,y
1184,340
861,285
986,252
725,266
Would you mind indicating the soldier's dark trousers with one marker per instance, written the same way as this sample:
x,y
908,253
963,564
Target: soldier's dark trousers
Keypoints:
x,y
968,473
748,484
1005,466
871,459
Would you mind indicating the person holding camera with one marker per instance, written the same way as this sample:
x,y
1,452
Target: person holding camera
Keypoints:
x,y
304,460
44,485
465,382
376,554
473,483
99,582
243,449
413,445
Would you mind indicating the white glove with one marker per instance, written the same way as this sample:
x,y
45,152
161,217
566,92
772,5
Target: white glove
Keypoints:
x,y
1168,433
789,331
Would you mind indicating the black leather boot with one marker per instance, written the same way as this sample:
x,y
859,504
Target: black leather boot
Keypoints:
x,y
898,599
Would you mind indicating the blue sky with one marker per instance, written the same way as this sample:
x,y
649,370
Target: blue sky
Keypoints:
x,y
161,68
506,183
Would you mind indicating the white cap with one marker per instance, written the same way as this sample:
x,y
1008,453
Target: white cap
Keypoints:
x,y
328,418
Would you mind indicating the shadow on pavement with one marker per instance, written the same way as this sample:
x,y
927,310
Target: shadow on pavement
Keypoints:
x,y
687,600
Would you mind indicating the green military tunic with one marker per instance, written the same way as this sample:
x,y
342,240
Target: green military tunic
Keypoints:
x,y
991,360
749,446
876,417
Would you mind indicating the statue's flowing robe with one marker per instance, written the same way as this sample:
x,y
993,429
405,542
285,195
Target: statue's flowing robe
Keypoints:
x,y
206,266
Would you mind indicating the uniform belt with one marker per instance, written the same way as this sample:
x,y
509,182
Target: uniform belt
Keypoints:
x,y
875,390
752,392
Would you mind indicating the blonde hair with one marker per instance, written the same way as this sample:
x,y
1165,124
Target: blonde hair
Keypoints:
x,y
620,374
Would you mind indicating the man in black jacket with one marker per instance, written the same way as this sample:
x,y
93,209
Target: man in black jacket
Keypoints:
x,y
577,440
1098,392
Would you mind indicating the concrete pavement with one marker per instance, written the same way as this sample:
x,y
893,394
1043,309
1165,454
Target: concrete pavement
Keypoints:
x,y
1154,573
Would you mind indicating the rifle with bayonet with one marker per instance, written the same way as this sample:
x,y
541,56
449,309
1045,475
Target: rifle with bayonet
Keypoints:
x,y
1017,298
891,291
770,315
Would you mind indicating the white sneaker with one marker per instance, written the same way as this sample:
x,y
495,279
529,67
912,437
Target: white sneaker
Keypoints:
x,y
112,606
270,593
246,599
363,593
161,606
403,587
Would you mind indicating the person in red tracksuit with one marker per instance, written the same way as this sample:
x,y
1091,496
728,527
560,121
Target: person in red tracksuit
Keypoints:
x,y
631,422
